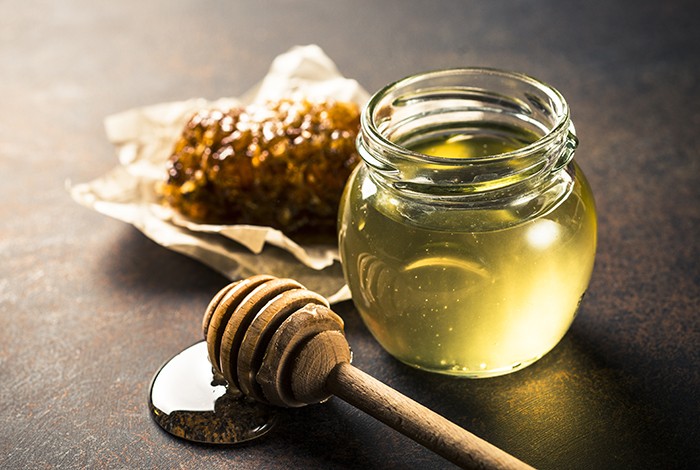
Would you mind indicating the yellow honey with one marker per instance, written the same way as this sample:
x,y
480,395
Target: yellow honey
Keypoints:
x,y
468,251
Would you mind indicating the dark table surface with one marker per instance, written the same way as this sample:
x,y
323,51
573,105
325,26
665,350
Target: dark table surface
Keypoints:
x,y
90,307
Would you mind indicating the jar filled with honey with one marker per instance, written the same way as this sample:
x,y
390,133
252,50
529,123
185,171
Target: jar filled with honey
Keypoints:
x,y
468,234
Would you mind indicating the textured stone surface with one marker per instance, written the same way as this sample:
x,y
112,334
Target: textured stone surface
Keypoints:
x,y
90,308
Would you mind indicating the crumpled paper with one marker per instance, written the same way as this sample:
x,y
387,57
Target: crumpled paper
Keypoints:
x,y
144,138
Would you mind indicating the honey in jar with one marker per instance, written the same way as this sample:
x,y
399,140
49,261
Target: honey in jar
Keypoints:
x,y
468,233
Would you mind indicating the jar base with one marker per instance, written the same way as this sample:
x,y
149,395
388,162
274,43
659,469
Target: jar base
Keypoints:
x,y
467,373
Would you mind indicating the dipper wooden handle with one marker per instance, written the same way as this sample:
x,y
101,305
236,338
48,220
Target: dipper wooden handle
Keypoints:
x,y
281,344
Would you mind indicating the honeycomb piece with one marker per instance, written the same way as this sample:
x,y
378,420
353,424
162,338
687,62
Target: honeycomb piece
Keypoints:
x,y
282,165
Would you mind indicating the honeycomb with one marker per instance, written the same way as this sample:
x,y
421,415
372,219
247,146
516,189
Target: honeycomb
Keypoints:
x,y
282,164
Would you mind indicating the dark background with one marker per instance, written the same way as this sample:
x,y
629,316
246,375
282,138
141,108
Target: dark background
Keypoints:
x,y
90,308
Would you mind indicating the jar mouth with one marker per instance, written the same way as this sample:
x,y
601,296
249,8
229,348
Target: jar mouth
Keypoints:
x,y
473,98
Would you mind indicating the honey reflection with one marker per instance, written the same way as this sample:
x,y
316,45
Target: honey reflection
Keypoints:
x,y
376,283
566,411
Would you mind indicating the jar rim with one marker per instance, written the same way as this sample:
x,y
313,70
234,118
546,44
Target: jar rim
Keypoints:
x,y
560,127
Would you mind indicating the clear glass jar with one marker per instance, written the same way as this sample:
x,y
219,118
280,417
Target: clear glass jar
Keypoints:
x,y
468,234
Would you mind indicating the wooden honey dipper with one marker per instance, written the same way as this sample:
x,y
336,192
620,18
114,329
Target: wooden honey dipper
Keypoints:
x,y
281,344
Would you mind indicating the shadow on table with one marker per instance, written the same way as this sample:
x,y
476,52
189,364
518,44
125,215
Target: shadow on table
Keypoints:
x,y
137,263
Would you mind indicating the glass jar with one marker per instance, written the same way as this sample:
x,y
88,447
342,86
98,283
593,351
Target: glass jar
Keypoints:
x,y
468,234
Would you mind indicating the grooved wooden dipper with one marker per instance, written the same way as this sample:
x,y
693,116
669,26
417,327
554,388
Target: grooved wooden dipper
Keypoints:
x,y
281,344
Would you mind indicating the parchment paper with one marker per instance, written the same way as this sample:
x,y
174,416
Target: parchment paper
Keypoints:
x,y
144,138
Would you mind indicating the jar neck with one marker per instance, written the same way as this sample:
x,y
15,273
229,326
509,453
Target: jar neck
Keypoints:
x,y
468,103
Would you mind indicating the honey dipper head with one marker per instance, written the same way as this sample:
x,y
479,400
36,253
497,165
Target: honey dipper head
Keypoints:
x,y
274,340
